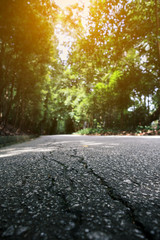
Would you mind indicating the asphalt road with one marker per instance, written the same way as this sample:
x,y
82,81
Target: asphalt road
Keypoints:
x,y
81,187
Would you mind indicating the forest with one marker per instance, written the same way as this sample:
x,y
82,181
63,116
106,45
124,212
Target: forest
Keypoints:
x,y
109,78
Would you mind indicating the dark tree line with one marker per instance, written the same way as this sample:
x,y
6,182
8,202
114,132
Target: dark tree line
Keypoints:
x,y
27,50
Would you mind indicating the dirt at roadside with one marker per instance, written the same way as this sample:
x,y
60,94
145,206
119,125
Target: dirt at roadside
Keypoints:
x,y
9,130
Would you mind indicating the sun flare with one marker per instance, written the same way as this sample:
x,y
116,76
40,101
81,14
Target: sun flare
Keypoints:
x,y
64,3
62,37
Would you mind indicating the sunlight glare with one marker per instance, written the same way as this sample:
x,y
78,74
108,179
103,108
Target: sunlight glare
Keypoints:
x,y
62,37
65,3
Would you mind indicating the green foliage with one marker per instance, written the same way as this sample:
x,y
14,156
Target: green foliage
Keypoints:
x,y
141,129
111,79
117,62
147,130
100,131
90,131
27,52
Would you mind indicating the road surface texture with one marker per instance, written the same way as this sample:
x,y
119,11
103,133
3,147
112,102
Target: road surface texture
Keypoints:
x,y
81,187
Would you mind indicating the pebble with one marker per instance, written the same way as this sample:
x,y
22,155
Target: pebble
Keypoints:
x,y
19,211
3,205
9,232
127,181
70,226
22,229
97,236
44,236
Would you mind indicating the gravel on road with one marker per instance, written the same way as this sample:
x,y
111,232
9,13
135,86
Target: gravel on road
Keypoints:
x,y
68,187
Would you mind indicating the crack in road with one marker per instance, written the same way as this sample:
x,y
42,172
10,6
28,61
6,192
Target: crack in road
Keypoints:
x,y
110,191
65,188
115,196
66,205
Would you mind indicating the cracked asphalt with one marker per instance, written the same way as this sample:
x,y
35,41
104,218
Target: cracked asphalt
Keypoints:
x,y
81,187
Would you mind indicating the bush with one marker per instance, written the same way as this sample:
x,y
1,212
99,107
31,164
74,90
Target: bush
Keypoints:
x,y
85,131
140,129
96,131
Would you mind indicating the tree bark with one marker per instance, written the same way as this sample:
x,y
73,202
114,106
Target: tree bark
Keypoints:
x,y
157,3
155,115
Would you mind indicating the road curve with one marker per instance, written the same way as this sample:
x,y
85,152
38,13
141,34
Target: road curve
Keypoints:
x,y
66,187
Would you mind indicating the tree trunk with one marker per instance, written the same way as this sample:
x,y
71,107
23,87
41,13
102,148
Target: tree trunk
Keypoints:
x,y
122,120
9,105
155,115
157,3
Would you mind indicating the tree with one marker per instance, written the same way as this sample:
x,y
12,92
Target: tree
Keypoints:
x,y
111,77
27,51
121,37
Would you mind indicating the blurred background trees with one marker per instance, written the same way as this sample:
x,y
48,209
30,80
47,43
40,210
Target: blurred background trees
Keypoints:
x,y
110,77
